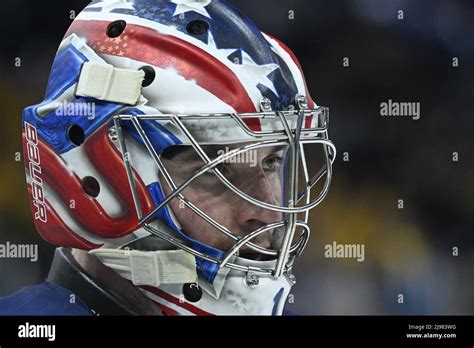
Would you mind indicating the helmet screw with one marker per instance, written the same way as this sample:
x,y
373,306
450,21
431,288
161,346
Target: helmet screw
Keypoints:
x,y
265,104
192,292
291,277
113,135
302,102
252,280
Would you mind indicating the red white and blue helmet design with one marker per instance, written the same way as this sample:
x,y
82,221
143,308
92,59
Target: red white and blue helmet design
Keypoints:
x,y
134,78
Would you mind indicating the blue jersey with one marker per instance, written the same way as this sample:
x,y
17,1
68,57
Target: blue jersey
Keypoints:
x,y
43,299
48,299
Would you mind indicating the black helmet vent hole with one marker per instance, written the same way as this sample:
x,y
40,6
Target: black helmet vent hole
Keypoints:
x,y
115,29
76,135
91,186
150,75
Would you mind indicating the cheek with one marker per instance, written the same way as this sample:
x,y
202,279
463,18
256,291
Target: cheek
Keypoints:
x,y
265,188
218,208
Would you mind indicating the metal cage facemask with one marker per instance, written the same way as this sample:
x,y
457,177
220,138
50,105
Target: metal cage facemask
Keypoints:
x,y
292,131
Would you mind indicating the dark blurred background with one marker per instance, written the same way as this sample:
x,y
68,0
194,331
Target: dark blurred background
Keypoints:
x,y
408,251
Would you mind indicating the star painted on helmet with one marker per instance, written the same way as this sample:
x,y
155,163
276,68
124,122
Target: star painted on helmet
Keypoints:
x,y
110,5
257,74
238,302
224,53
199,6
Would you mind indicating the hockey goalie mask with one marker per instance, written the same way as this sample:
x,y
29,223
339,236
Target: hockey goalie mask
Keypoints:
x,y
179,144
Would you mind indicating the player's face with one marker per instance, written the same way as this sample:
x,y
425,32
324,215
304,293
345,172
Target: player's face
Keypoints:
x,y
257,173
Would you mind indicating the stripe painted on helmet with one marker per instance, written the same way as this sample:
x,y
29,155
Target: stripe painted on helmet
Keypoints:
x,y
150,46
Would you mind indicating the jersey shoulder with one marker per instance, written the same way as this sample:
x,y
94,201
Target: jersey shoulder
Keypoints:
x,y
43,299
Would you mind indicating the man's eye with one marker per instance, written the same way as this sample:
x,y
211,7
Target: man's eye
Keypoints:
x,y
222,167
272,163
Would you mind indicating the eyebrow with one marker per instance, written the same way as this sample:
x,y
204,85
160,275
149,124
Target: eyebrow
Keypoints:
x,y
212,151
279,148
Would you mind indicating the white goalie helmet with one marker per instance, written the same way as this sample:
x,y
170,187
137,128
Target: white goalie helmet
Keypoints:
x,y
179,144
